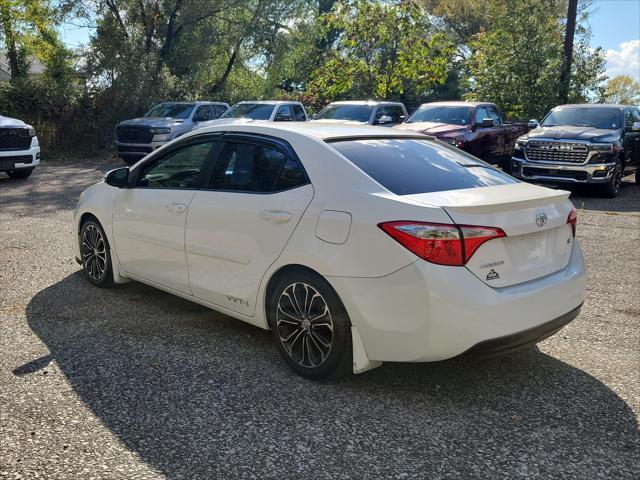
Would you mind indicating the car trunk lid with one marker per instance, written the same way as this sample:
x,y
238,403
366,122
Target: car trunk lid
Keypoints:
x,y
538,239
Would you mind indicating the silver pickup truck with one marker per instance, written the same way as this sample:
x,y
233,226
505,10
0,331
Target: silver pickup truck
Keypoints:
x,y
137,137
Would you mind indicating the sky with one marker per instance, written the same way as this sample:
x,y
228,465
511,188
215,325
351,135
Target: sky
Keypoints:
x,y
615,26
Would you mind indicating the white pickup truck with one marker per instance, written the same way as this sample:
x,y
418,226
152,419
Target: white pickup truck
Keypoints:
x,y
19,148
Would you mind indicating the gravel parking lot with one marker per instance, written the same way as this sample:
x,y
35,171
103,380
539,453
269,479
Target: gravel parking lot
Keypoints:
x,y
135,383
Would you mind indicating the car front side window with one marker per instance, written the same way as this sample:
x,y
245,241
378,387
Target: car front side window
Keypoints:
x,y
180,168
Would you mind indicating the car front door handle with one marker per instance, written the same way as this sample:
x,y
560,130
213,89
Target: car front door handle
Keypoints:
x,y
275,216
176,207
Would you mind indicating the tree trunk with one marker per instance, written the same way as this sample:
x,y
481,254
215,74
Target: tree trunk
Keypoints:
x,y
565,77
10,42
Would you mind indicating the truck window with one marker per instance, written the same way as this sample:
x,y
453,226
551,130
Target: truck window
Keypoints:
x,y
495,115
481,114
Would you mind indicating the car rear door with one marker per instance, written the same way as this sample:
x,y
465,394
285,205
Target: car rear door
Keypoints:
x,y
149,217
255,196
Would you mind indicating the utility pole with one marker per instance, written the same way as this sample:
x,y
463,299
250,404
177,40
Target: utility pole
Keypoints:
x,y
565,76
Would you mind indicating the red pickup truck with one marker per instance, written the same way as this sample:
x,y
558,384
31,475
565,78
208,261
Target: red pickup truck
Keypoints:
x,y
475,127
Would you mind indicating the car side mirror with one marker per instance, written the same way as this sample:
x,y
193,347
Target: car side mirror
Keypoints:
x,y
533,123
384,119
486,122
402,118
635,127
118,178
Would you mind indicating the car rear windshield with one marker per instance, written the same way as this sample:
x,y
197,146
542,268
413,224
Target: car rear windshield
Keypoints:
x,y
604,118
255,111
442,114
354,113
409,166
172,110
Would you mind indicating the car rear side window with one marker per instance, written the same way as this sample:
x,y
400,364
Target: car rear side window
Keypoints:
x,y
248,167
410,166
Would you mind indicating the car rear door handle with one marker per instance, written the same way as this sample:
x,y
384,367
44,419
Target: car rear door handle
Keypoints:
x,y
176,207
275,216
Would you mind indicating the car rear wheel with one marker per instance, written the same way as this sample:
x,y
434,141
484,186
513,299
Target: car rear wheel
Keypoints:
x,y
612,187
96,254
20,173
310,326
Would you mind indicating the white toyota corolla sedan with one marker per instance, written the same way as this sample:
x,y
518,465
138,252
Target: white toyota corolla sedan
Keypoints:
x,y
353,245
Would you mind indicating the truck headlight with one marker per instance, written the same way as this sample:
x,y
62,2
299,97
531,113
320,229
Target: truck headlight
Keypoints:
x,y
521,142
32,132
161,131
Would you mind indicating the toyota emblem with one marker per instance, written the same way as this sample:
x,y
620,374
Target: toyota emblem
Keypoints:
x,y
541,219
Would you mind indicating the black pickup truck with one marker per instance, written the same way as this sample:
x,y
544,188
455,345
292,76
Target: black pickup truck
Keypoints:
x,y
582,144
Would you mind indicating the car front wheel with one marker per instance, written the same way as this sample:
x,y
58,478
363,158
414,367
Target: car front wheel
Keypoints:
x,y
96,255
310,326
612,187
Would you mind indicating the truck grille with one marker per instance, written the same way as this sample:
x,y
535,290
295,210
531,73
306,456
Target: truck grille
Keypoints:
x,y
562,152
134,134
14,139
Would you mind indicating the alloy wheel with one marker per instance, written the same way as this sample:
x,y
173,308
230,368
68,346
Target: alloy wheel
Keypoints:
x,y
617,179
304,325
94,252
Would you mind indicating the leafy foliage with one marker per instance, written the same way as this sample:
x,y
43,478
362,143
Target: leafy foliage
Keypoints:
x,y
516,63
384,50
622,90
144,51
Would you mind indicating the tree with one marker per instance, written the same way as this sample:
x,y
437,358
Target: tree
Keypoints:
x,y
622,90
565,76
517,62
384,49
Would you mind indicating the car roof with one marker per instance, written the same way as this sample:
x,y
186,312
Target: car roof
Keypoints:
x,y
458,103
318,130
365,102
592,105
269,102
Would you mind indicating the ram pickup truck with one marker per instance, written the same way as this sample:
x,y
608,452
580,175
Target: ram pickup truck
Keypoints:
x,y
137,137
582,144
19,148
262,111
475,127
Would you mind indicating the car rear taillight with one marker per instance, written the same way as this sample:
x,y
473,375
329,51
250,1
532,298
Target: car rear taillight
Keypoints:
x,y
439,243
572,219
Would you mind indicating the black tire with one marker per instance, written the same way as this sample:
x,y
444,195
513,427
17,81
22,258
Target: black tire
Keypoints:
x,y
612,187
96,254
638,176
309,331
20,173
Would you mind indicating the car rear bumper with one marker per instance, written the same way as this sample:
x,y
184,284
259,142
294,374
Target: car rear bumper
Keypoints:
x,y
526,338
565,173
426,312
17,159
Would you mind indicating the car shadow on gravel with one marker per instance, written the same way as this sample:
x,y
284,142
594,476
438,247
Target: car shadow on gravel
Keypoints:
x,y
627,201
196,394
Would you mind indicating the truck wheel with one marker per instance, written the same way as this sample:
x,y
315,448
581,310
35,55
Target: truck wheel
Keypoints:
x,y
612,187
20,173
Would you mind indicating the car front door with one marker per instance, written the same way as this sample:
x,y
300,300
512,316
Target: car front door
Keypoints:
x,y
488,138
149,217
237,227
